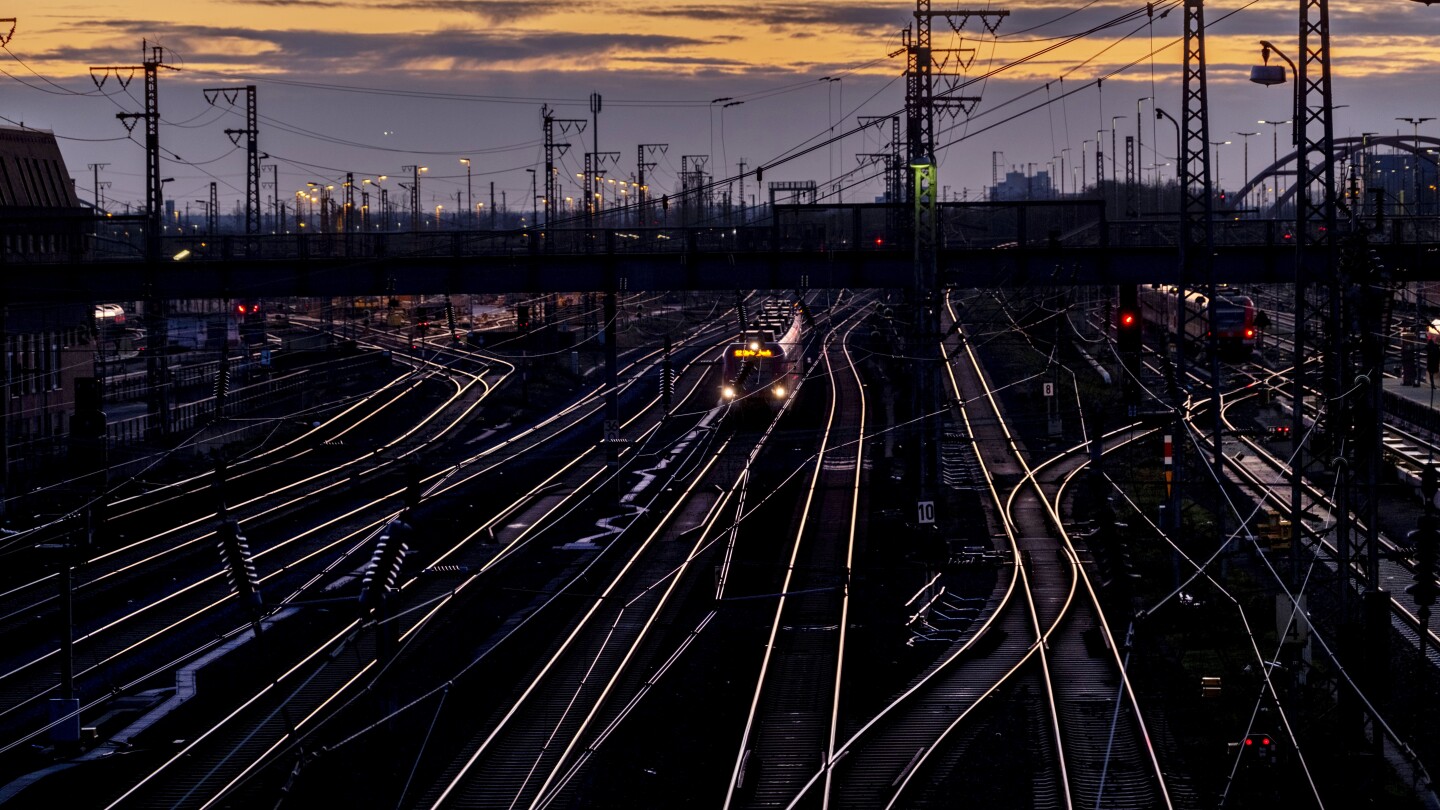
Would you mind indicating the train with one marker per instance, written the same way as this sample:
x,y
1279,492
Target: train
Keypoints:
x,y
1234,327
114,338
764,363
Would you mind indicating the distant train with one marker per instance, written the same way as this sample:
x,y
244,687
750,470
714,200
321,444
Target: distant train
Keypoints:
x,y
1234,325
764,363
114,339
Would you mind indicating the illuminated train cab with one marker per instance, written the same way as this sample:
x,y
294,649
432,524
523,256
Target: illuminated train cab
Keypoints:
x,y
764,364
1234,318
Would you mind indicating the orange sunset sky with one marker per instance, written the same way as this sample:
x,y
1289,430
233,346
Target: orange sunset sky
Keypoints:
x,y
467,78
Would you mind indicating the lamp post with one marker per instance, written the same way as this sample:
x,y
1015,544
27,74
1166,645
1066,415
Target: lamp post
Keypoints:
x,y
1275,137
1275,154
1415,173
1062,170
324,190
384,205
1139,138
1114,174
1217,145
1246,164
1159,113
533,198
1084,163
1268,74
365,200
469,194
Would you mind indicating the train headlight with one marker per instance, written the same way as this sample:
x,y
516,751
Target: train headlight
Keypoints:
x,y
779,392
754,347
727,392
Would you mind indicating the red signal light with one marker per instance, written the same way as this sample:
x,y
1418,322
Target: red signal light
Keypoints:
x,y
1265,741
1249,741
879,241
1249,333
1127,319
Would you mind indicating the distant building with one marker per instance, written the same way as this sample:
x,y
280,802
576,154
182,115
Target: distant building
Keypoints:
x,y
46,347
40,216
1397,174
1020,186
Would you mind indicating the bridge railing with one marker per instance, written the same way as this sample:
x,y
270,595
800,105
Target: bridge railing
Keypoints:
x,y
781,228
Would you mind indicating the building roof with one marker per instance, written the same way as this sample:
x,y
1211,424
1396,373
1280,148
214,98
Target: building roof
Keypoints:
x,y
32,171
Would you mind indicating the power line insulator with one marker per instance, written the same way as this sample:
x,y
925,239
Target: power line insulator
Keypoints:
x,y
382,574
667,382
239,564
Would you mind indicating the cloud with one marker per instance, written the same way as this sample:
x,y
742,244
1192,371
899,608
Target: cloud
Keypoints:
x,y
304,50
684,60
489,10
781,15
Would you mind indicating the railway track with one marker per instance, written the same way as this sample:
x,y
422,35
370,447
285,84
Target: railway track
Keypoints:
x,y
794,713
413,624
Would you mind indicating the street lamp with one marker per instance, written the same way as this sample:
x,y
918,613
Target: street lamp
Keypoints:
x,y
1179,164
1114,174
830,82
1217,145
1246,149
469,193
365,200
324,190
1139,139
1416,122
1270,75
534,212
1275,137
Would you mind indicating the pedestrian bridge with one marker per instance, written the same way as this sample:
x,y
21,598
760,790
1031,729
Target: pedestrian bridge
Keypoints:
x,y
1065,243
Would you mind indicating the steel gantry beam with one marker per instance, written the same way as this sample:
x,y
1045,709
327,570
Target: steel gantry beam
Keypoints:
x,y
252,147
553,150
642,196
156,328
1197,202
694,189
1132,190
920,105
